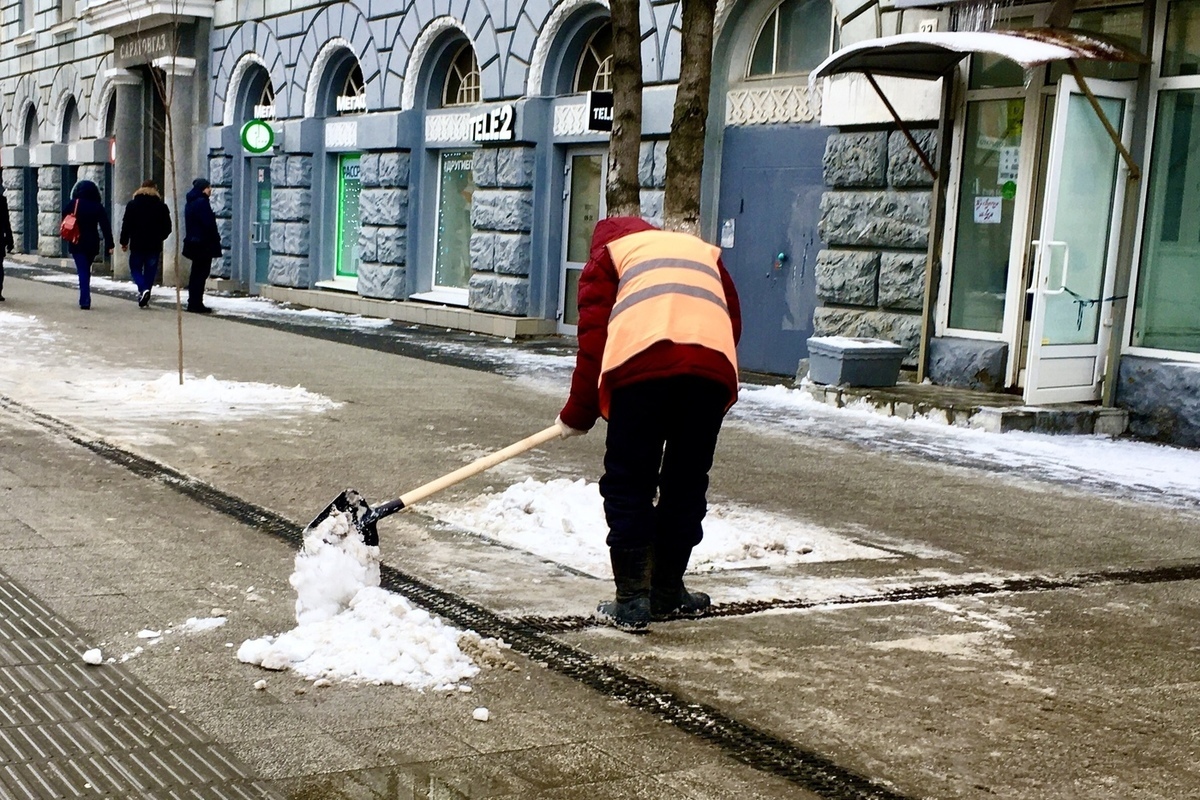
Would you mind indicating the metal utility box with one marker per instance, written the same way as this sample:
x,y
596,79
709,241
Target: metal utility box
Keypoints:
x,y
853,361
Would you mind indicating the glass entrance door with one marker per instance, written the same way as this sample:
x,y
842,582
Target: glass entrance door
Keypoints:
x,y
584,208
452,263
349,188
260,222
1076,246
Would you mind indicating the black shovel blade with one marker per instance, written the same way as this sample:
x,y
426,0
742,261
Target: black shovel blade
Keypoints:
x,y
352,503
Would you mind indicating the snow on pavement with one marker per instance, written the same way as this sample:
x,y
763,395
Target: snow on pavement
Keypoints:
x,y
348,629
562,520
1121,468
49,374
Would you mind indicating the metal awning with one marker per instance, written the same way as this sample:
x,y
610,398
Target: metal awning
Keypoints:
x,y
929,56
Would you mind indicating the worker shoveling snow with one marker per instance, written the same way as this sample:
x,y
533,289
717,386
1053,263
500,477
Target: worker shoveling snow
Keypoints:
x,y
349,629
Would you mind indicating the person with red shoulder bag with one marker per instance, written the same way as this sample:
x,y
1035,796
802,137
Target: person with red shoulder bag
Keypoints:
x,y
91,222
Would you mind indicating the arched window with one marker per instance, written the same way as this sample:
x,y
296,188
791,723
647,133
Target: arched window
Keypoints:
x,y
70,122
796,37
462,79
265,107
353,97
594,72
31,137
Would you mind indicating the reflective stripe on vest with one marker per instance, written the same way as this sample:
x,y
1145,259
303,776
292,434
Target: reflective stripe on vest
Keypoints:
x,y
669,290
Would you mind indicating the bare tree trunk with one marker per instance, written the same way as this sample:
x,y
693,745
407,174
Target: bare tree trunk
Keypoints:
x,y
623,192
685,150
164,84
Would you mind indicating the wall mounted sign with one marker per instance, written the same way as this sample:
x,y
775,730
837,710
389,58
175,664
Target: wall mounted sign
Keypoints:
x,y
143,47
265,112
258,136
599,111
497,125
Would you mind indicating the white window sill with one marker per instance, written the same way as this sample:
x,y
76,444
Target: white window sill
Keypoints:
x,y
64,28
339,285
446,297
25,39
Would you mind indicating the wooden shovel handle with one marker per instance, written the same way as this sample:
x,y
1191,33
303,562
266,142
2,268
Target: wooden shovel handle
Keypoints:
x,y
478,466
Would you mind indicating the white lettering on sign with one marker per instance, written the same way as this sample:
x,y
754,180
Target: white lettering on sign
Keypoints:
x,y
155,44
347,103
987,210
350,170
264,112
495,125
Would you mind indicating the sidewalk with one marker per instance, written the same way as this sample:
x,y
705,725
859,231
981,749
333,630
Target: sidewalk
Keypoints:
x,y
941,670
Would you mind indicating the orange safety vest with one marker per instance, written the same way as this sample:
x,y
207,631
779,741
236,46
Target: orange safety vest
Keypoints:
x,y
669,290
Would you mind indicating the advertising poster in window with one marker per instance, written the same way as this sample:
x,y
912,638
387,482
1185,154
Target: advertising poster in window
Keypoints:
x,y
455,189
349,189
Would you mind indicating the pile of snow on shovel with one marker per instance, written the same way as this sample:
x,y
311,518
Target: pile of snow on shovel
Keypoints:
x,y
349,629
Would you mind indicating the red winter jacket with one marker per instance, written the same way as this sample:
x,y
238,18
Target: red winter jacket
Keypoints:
x,y
597,295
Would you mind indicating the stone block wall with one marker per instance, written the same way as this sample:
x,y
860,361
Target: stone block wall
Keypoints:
x,y
49,201
383,235
220,175
14,182
501,221
652,175
1163,399
875,224
291,206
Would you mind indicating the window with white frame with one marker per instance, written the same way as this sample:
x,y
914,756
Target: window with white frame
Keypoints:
x,y
463,86
594,72
1166,312
796,36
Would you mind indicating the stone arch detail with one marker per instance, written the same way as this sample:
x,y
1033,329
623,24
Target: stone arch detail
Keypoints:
x,y
25,97
550,38
340,25
418,34
251,42
66,86
93,105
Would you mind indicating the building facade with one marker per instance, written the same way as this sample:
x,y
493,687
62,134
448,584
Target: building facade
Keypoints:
x,y
452,154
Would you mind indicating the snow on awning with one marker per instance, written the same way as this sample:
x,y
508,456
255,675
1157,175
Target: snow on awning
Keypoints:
x,y
929,56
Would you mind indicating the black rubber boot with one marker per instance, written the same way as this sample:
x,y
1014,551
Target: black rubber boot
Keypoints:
x,y
630,611
668,596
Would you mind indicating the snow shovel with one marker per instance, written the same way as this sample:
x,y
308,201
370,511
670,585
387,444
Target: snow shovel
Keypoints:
x,y
365,517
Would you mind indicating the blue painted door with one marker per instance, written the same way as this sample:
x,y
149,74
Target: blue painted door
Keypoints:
x,y
771,186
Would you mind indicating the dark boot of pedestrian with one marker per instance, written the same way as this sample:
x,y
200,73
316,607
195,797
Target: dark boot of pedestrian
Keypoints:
x,y
668,596
630,610
144,298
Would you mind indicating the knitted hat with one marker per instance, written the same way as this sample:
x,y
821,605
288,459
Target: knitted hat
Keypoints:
x,y
201,184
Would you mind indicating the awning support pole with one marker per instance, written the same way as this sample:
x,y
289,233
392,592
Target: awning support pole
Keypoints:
x,y
1134,171
937,226
903,128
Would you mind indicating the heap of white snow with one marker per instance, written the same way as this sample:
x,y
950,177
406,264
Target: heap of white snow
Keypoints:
x,y
563,521
351,630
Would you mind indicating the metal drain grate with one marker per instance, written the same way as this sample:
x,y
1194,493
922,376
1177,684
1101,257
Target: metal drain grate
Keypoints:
x,y
69,730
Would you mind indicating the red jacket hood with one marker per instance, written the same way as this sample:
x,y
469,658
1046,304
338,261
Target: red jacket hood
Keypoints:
x,y
612,228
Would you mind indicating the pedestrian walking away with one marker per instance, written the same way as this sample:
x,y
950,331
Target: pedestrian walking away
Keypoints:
x,y
144,227
201,242
92,221
7,239
659,322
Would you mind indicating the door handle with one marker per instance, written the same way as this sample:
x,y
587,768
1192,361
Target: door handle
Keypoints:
x,y
1042,252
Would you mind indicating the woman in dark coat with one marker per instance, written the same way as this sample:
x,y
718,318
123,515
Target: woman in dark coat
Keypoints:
x,y
6,239
201,242
93,221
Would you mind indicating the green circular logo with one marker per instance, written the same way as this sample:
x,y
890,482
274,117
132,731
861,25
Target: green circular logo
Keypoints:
x,y
1009,190
258,136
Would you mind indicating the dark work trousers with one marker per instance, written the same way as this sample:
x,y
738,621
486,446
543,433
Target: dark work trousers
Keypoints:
x,y
1,273
661,438
200,269
83,268
143,268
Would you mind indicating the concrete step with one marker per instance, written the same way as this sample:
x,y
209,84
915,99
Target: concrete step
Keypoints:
x,y
996,413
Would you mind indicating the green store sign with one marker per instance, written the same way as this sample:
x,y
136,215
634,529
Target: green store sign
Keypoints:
x,y
258,136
